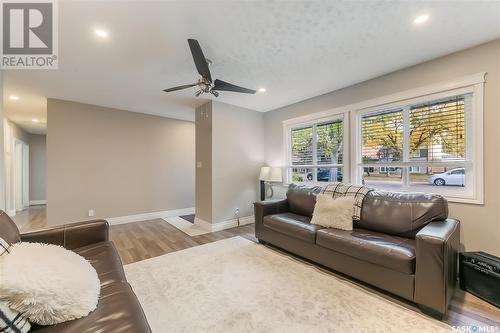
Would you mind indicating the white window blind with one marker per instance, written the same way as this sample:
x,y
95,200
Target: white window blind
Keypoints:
x,y
382,136
302,146
437,130
316,152
417,146
329,143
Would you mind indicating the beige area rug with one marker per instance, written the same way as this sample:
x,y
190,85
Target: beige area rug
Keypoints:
x,y
235,285
187,227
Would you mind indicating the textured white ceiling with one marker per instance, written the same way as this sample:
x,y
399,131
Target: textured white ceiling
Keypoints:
x,y
295,49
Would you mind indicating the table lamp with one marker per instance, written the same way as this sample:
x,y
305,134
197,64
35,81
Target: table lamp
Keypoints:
x,y
269,175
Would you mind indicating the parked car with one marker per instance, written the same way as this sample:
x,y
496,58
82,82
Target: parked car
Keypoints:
x,y
452,177
324,175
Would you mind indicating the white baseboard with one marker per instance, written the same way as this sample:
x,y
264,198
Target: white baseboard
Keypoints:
x,y
203,224
218,226
38,202
11,212
149,216
247,220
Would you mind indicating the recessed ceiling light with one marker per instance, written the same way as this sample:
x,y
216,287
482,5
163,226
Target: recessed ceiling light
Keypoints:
x,y
421,19
262,90
14,98
101,33
35,120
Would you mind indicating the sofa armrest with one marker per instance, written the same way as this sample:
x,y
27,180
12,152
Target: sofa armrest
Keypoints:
x,y
263,208
71,236
436,269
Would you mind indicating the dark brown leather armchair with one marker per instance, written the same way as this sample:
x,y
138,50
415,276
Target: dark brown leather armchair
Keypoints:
x,y
118,309
404,243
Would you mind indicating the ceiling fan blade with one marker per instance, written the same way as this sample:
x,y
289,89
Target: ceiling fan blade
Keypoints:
x,y
180,87
224,86
199,59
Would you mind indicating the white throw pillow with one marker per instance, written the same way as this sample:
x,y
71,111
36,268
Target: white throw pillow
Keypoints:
x,y
333,213
48,283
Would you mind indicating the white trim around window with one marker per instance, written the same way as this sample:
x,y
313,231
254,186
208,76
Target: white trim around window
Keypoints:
x,y
351,115
287,137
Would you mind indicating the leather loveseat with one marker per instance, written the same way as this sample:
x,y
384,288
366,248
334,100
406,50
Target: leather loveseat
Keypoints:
x,y
118,309
404,243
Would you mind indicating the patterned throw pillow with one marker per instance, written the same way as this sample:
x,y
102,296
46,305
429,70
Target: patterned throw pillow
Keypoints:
x,y
4,248
10,321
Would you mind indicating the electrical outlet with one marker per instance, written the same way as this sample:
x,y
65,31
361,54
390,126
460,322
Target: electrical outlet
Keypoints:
x,y
237,212
91,212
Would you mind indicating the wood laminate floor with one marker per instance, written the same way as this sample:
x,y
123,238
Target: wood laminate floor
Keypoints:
x,y
142,240
32,218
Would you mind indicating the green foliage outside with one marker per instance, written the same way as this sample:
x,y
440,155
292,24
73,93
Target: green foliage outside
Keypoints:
x,y
329,144
439,125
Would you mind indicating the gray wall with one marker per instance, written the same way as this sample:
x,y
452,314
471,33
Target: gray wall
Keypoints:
x,y
238,154
38,167
203,118
116,162
230,146
480,228
19,133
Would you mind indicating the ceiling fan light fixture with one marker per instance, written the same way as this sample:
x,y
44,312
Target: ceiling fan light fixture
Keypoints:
x,y
205,83
262,90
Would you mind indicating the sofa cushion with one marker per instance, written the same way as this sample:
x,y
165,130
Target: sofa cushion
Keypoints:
x,y
106,261
397,253
301,199
118,310
401,214
293,225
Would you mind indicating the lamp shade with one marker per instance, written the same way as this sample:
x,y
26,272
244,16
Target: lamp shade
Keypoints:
x,y
271,174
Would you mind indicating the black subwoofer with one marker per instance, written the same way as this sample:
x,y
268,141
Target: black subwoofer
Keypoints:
x,y
480,275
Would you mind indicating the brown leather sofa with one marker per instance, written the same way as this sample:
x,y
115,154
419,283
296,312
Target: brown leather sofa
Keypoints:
x,y
404,243
118,309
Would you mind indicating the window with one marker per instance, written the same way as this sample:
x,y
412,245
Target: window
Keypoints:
x,y
428,139
414,147
316,152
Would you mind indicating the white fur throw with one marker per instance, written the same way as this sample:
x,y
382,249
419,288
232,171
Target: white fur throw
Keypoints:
x,y
48,283
333,213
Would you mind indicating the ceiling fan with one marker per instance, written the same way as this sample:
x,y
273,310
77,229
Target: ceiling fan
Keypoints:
x,y
205,83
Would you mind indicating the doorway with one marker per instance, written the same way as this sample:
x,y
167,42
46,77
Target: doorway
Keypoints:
x,y
21,175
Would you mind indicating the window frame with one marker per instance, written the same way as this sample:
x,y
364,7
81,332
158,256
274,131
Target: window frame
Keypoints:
x,y
314,166
352,113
